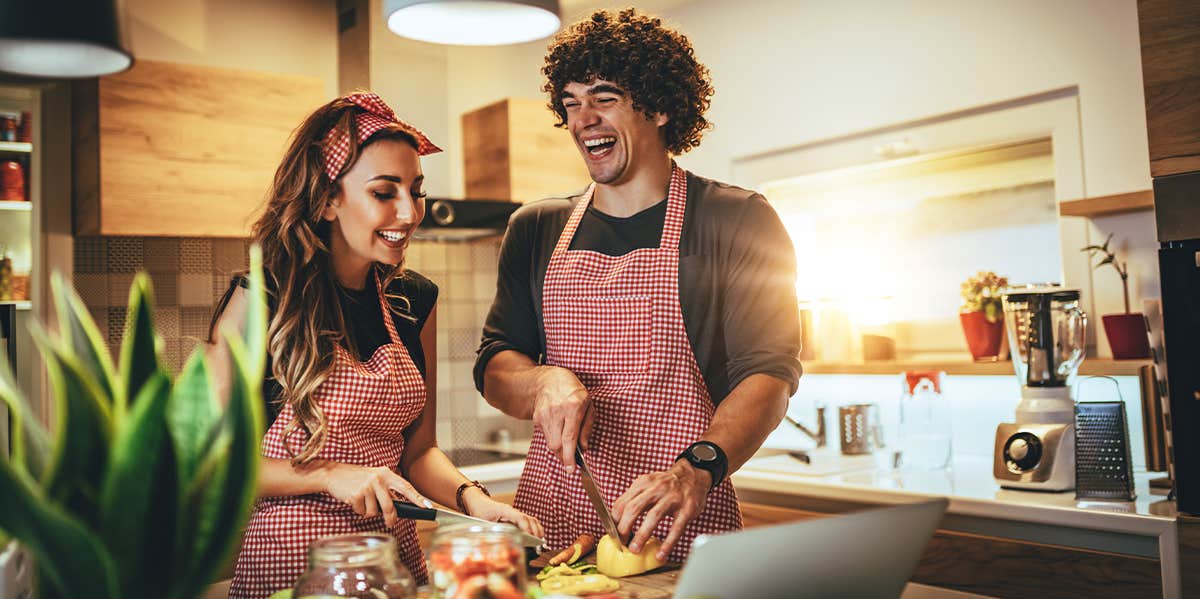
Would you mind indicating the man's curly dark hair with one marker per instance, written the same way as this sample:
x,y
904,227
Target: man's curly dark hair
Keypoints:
x,y
655,64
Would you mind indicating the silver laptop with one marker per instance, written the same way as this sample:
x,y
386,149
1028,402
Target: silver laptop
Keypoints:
x,y
871,553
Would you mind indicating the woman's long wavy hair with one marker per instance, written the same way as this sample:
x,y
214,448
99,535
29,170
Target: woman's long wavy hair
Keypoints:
x,y
308,324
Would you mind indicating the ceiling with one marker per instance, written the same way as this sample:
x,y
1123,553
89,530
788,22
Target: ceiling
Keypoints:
x,y
573,9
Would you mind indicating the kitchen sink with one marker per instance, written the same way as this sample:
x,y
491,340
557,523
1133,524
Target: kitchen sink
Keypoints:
x,y
819,463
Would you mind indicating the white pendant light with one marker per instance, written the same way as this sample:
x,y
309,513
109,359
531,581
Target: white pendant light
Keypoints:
x,y
472,22
63,39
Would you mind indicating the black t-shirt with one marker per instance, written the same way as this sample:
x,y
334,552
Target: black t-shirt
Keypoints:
x,y
737,280
364,319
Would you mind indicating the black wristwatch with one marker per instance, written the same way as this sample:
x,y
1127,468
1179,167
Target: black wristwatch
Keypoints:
x,y
709,456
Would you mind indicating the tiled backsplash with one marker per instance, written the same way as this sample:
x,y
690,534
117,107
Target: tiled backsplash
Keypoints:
x,y
190,275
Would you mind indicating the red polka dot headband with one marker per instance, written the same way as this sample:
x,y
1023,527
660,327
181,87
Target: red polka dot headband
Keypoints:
x,y
377,115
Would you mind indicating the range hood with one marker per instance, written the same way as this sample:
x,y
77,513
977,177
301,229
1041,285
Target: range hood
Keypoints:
x,y
464,220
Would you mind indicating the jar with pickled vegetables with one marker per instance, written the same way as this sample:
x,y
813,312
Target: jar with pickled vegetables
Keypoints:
x,y
362,565
477,561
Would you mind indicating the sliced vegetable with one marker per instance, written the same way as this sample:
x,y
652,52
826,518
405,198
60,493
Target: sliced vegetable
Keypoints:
x,y
614,560
582,546
579,585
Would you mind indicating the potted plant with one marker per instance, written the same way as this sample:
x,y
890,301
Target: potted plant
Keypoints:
x,y
982,315
144,483
1126,332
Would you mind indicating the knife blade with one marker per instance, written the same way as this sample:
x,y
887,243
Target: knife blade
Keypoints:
x,y
412,511
593,493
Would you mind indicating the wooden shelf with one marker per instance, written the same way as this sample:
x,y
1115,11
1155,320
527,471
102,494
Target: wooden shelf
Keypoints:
x,y
1090,367
16,206
1121,203
20,147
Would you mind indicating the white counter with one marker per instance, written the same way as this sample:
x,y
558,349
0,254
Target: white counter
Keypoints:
x,y
1144,527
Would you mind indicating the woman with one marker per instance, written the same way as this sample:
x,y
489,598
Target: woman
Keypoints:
x,y
350,428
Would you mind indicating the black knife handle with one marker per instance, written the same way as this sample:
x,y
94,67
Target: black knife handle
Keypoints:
x,y
579,456
413,511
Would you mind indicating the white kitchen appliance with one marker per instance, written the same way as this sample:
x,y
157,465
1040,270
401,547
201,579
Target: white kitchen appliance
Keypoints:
x,y
1046,332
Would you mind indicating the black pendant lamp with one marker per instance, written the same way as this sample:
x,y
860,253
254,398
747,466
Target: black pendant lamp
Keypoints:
x,y
61,39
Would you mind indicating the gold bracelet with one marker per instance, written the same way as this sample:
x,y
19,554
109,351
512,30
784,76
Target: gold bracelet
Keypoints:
x,y
458,495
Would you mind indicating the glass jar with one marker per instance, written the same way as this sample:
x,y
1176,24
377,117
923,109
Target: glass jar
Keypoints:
x,y
924,435
477,560
355,565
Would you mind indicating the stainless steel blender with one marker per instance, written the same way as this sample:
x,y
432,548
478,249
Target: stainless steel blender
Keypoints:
x,y
1046,331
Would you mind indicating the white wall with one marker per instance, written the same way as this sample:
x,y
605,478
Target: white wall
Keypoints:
x,y
297,37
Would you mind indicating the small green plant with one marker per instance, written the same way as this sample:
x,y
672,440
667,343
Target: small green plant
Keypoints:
x,y
1110,257
145,482
981,293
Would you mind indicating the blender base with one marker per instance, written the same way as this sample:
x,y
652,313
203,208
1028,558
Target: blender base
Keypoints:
x,y
1037,457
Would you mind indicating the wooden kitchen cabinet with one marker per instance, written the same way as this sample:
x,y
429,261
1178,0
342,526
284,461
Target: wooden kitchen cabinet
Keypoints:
x,y
179,150
513,151
1170,34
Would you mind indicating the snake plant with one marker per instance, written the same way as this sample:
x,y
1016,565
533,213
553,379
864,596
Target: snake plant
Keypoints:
x,y
144,482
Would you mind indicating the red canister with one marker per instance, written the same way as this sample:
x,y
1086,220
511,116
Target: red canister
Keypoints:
x,y
12,181
25,127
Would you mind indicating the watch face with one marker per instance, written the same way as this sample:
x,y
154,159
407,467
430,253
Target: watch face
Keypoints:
x,y
704,453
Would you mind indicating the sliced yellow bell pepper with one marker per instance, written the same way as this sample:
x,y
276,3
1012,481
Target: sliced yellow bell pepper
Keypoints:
x,y
578,585
613,560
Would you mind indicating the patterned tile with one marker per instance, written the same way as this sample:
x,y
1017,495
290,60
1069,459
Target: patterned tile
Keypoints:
x,y
116,325
220,285
125,254
166,288
91,255
195,256
118,288
229,255
171,355
193,322
195,289
458,257
166,321
161,254
93,289
485,254
463,343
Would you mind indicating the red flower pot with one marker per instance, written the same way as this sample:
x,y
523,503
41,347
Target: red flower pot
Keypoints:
x,y
1127,336
983,338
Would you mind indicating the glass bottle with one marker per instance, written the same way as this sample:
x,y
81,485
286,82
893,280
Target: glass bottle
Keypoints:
x,y
355,565
477,561
924,435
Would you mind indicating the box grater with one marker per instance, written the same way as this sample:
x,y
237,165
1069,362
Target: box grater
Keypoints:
x,y
1103,469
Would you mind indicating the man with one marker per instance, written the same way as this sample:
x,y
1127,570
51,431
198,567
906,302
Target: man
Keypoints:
x,y
660,335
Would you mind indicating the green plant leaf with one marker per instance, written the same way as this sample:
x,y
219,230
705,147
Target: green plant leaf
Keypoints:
x,y
139,355
139,496
30,445
224,513
79,333
84,431
255,331
192,414
68,556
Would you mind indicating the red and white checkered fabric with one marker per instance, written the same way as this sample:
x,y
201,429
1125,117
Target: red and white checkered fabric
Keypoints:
x,y
616,322
367,406
378,115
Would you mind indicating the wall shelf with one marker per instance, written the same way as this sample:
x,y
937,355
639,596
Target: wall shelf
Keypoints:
x,y
6,206
19,147
1090,367
1121,203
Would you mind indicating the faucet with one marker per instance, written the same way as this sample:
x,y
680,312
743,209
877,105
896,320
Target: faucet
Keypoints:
x,y
819,434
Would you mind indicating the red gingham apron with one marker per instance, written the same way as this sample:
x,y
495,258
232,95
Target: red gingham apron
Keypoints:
x,y
367,406
616,322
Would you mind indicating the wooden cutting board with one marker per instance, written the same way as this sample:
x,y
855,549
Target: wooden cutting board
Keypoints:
x,y
658,584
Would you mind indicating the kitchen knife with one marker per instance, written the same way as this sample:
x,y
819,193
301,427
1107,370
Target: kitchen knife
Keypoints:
x,y
413,511
593,493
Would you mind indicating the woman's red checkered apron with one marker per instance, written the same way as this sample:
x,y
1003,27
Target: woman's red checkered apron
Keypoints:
x,y
615,321
367,406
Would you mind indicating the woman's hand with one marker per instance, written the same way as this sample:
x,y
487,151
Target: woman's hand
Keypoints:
x,y
482,506
370,490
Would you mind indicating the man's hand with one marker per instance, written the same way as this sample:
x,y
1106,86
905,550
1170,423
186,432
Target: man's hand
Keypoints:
x,y
681,490
561,409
